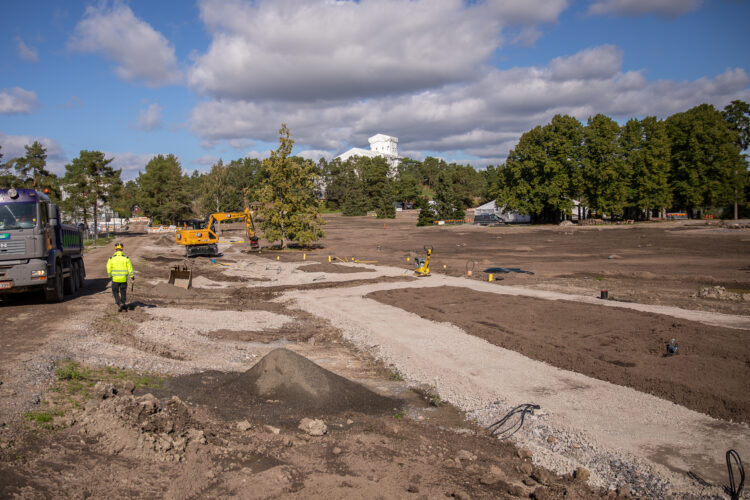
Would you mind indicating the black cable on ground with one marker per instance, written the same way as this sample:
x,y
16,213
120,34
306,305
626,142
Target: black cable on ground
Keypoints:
x,y
505,427
734,489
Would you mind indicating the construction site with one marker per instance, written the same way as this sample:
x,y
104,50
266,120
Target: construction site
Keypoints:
x,y
390,361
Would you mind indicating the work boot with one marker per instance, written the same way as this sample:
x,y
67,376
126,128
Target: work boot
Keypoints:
x,y
121,308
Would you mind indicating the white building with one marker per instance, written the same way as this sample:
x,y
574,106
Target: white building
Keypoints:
x,y
380,145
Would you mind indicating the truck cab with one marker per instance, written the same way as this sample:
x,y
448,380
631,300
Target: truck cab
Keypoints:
x,y
36,251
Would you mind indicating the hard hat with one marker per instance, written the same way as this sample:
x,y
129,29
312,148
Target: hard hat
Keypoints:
x,y
118,246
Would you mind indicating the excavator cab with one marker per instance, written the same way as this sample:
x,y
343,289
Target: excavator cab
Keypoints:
x,y
201,239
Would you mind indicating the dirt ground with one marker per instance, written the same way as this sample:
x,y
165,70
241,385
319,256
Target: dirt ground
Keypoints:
x,y
188,395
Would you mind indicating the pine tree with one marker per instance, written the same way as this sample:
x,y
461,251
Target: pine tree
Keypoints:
x,y
164,194
288,207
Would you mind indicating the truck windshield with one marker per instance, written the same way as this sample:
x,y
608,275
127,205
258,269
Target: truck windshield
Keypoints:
x,y
17,215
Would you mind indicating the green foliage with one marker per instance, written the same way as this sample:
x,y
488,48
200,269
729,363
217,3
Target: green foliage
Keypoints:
x,y
288,207
71,370
426,216
90,181
543,172
32,168
164,195
737,114
447,203
706,162
606,174
646,150
395,375
377,185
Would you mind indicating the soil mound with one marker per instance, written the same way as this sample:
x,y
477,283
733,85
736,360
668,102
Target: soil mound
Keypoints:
x,y
296,381
165,240
280,389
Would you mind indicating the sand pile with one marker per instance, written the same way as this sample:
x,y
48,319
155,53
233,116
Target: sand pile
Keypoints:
x,y
165,240
280,389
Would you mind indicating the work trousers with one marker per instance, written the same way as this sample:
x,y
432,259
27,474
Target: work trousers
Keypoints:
x,y
120,291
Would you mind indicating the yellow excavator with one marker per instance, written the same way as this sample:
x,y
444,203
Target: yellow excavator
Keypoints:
x,y
199,237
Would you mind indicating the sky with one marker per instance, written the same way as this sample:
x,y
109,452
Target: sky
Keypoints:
x,y
458,80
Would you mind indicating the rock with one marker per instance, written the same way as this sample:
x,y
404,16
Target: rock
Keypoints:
x,y
412,488
465,455
149,403
125,387
542,476
541,493
516,491
460,495
244,425
272,429
614,257
523,453
525,468
566,223
312,427
336,451
349,421
582,474
451,464
551,439
102,390
529,481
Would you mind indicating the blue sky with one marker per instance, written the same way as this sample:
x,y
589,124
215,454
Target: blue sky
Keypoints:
x,y
454,79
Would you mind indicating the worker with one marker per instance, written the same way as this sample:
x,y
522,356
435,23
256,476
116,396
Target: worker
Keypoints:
x,y
119,268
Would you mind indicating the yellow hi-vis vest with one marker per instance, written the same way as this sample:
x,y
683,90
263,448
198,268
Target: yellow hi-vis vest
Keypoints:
x,y
119,268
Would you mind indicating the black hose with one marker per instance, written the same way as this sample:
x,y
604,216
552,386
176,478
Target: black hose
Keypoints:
x,y
734,489
503,430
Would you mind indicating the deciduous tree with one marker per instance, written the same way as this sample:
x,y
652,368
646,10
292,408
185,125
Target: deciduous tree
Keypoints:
x,y
288,207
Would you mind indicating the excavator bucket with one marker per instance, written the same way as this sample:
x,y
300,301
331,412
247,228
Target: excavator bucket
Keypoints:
x,y
181,276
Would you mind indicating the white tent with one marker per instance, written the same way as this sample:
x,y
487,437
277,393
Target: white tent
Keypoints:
x,y
501,214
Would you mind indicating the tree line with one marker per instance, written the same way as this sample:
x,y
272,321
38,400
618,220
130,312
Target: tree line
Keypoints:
x,y
691,161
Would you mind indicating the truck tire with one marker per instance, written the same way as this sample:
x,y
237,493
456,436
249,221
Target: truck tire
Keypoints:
x,y
71,283
56,294
79,274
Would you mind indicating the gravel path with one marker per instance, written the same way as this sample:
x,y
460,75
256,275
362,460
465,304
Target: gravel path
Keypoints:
x,y
623,436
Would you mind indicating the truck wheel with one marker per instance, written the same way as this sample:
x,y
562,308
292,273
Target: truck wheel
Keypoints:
x,y
79,275
70,283
56,294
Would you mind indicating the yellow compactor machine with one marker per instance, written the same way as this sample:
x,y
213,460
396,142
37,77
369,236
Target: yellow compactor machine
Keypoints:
x,y
201,238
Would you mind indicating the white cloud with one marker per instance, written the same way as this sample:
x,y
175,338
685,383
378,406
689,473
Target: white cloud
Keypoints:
x,y
348,49
205,160
25,52
150,118
13,147
16,100
315,154
130,163
484,117
635,8
591,64
139,51
74,102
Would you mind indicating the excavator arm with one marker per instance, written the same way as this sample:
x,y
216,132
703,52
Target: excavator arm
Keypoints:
x,y
205,241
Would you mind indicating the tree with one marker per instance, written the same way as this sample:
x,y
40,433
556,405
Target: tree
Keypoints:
x,y
426,215
164,194
706,160
354,201
288,207
377,185
543,172
737,114
6,176
448,205
90,181
606,175
645,147
216,195
32,169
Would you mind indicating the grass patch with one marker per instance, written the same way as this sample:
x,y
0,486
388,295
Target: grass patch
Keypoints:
x,y
398,415
738,290
395,375
43,418
74,386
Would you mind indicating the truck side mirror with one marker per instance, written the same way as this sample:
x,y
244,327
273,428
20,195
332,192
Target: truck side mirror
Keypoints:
x,y
52,212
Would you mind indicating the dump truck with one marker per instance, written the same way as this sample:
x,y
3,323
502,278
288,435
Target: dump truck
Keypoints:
x,y
201,239
37,252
